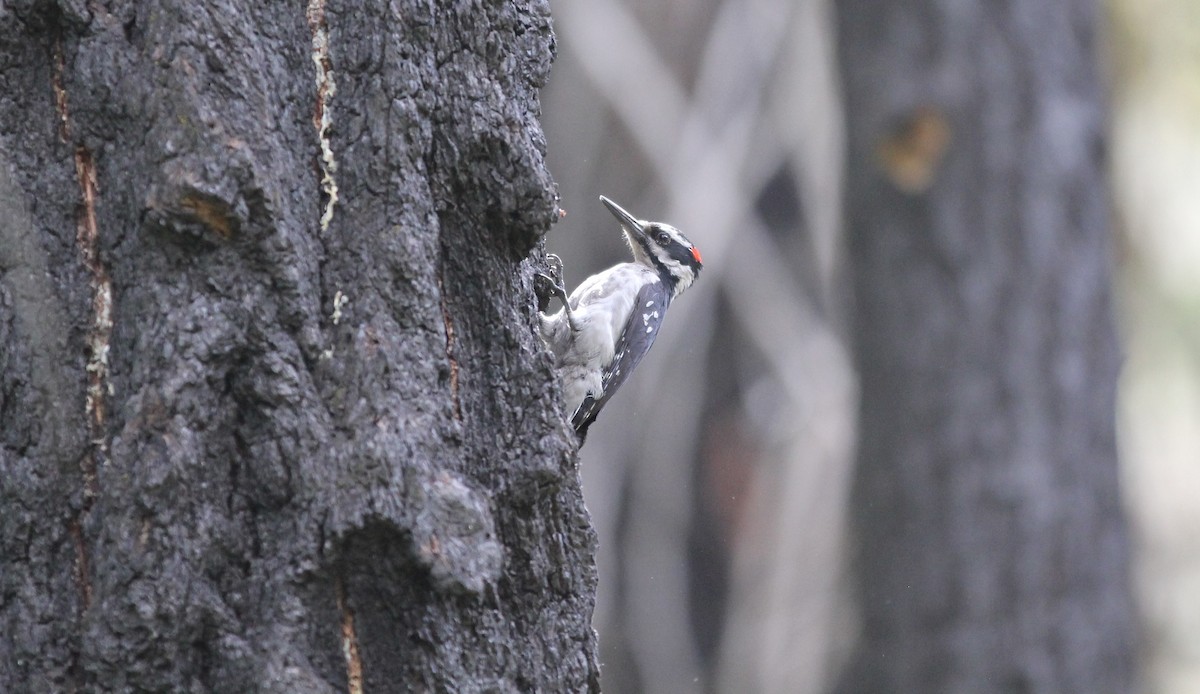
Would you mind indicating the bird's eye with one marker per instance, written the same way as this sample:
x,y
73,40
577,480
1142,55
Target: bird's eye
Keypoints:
x,y
663,238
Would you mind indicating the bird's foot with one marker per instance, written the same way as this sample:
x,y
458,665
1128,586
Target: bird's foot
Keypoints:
x,y
550,284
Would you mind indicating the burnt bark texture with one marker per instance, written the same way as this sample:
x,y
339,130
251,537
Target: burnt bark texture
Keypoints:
x,y
993,556
274,415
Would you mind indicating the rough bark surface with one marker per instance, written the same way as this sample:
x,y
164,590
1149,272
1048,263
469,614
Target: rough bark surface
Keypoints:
x,y
274,417
993,554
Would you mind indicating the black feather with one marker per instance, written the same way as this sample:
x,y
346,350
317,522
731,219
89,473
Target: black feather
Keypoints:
x,y
636,339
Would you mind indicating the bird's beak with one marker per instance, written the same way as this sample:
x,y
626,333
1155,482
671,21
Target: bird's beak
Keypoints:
x,y
632,226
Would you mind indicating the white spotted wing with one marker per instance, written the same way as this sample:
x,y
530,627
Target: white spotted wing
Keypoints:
x,y
635,341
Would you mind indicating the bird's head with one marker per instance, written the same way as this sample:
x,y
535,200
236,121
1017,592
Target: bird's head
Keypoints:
x,y
660,247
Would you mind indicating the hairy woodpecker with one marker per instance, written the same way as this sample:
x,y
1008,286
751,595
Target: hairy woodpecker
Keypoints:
x,y
610,321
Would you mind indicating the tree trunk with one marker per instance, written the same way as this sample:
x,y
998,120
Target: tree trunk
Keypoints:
x,y
993,553
274,414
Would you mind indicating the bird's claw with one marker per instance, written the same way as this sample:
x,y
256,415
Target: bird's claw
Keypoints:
x,y
548,284
556,268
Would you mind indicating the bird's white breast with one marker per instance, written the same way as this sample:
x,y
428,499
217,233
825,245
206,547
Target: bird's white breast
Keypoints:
x,y
602,305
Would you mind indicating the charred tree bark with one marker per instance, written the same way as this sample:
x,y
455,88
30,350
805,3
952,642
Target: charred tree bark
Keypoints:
x,y
274,417
993,554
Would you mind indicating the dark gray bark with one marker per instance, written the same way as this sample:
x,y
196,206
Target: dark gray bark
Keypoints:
x,y
993,554
250,441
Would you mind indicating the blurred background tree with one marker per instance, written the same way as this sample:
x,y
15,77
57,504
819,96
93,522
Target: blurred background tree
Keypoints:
x,y
991,547
971,145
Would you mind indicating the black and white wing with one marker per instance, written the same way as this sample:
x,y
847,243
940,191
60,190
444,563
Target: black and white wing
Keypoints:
x,y
636,339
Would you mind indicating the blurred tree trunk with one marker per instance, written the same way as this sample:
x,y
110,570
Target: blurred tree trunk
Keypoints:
x,y
993,553
273,414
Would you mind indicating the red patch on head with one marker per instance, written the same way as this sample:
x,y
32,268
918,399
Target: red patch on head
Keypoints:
x,y
696,255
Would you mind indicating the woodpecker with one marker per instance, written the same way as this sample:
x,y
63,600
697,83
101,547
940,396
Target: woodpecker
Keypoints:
x,y
610,321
